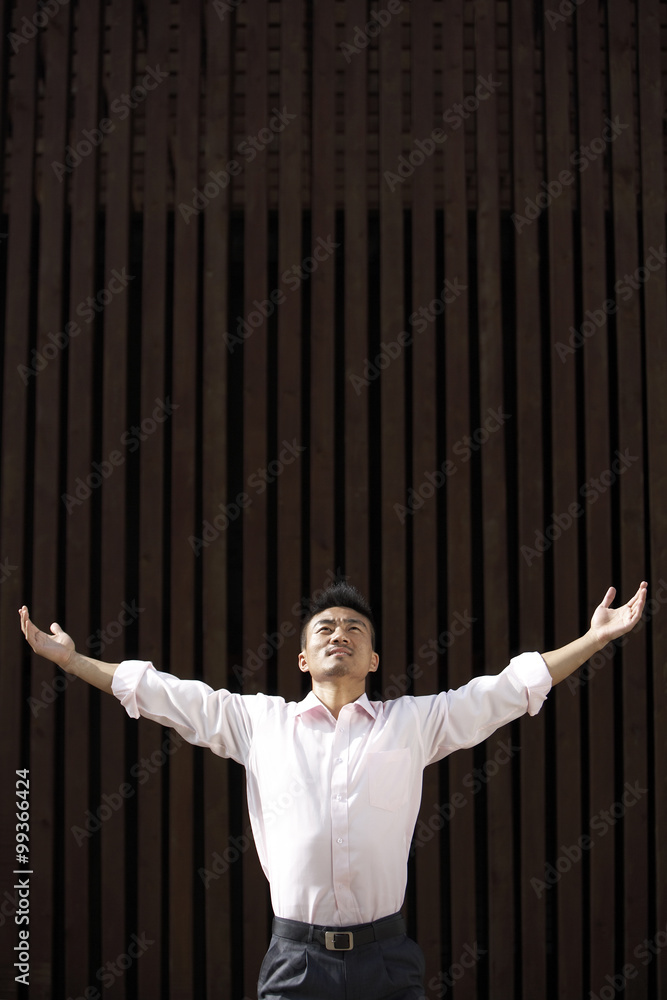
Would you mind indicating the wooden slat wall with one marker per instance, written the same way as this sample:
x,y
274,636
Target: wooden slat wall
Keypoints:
x,y
367,84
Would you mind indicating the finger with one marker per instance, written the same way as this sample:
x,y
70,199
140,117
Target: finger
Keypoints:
x,y
640,597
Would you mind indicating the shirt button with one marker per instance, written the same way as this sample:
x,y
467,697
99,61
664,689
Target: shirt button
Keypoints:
x,y
339,760
340,840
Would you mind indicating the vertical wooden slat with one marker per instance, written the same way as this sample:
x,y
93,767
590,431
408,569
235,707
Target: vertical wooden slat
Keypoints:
x,y
322,319
392,381
218,900
46,512
651,110
600,694
356,305
564,493
183,428
113,490
458,498
15,404
631,488
255,905
425,380
80,894
494,502
154,302
290,333
530,507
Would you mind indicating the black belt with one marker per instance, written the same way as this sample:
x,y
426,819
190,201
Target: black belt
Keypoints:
x,y
340,938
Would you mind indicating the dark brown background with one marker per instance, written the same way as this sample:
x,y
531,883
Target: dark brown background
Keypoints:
x,y
464,552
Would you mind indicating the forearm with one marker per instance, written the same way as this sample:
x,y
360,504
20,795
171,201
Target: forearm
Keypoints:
x,y
564,661
94,672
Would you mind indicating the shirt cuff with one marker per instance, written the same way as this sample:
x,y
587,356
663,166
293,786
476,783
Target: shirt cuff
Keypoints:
x,y
528,672
125,681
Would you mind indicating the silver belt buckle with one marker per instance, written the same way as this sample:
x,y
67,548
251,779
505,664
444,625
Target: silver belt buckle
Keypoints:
x,y
333,942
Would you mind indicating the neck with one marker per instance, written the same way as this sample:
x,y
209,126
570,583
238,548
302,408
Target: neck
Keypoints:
x,y
335,695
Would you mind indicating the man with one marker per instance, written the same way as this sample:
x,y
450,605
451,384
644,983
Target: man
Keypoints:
x,y
334,782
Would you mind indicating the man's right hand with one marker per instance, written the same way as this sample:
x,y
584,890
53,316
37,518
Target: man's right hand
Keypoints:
x,y
57,647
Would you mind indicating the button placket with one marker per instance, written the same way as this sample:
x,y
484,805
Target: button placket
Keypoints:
x,y
339,816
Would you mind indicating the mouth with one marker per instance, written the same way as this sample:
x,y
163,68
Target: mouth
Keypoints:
x,y
338,652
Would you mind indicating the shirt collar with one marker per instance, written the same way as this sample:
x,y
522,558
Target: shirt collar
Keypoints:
x,y
311,702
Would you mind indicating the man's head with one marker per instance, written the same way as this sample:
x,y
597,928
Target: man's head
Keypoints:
x,y
338,635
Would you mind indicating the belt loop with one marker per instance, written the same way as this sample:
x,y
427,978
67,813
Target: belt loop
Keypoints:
x,y
311,931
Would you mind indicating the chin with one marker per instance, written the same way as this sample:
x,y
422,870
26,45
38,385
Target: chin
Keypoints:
x,y
337,670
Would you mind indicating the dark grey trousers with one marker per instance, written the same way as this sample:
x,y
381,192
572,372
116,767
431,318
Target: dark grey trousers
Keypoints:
x,y
392,969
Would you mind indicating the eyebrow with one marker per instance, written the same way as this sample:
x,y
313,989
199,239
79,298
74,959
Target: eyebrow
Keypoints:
x,y
332,621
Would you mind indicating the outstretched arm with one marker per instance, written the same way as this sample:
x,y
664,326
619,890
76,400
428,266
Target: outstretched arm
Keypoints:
x,y
59,648
607,623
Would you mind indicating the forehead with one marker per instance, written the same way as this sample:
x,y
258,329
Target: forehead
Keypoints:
x,y
339,616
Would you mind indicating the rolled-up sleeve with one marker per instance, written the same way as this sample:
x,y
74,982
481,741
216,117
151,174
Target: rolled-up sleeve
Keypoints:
x,y
453,720
218,720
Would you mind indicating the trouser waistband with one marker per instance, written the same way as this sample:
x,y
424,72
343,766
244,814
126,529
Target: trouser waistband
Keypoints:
x,y
340,938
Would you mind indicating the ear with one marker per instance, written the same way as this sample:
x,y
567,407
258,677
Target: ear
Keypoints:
x,y
303,665
375,662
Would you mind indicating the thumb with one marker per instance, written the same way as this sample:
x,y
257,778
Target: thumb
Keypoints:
x,y
56,629
608,598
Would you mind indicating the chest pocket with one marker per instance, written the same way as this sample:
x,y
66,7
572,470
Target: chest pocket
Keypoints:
x,y
389,778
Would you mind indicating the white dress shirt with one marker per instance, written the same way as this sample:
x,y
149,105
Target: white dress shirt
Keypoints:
x,y
333,802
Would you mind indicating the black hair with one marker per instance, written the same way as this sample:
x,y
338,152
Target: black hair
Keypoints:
x,y
338,595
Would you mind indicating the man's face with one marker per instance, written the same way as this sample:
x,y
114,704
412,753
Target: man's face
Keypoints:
x,y
338,644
